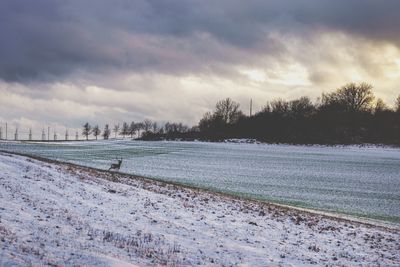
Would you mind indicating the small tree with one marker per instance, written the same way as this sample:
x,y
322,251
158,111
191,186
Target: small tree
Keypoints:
x,y
96,131
155,127
86,130
139,126
116,130
132,129
125,129
106,132
147,124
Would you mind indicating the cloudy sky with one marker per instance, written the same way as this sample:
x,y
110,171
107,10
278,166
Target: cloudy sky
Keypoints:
x,y
65,62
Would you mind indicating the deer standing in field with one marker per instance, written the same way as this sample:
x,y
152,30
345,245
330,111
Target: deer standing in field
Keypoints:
x,y
116,166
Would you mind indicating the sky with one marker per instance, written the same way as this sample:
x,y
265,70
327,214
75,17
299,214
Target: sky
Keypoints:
x,y
65,62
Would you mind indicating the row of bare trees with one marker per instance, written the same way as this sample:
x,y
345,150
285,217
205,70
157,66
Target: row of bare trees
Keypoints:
x,y
145,128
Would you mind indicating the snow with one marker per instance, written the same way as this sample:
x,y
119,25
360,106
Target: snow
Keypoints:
x,y
357,181
60,214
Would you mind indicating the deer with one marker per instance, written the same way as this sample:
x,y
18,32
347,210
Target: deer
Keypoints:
x,y
116,166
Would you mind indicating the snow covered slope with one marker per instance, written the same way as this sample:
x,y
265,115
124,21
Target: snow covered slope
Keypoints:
x,y
58,214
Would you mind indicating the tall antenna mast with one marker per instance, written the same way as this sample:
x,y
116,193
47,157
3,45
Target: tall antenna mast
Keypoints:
x,y
16,134
251,107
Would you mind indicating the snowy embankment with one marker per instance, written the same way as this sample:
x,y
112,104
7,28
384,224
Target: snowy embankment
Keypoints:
x,y
59,214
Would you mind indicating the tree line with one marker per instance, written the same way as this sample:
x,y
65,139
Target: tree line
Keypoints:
x,y
349,115
145,130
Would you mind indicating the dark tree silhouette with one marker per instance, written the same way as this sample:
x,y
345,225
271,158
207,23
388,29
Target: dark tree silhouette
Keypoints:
x,y
147,124
96,131
351,97
227,111
380,106
124,129
132,129
279,106
220,123
87,129
302,107
116,130
139,128
155,127
106,132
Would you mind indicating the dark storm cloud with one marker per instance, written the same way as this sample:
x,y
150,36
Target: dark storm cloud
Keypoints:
x,y
47,39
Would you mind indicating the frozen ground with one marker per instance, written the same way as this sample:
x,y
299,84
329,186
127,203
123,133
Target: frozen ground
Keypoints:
x,y
358,181
57,214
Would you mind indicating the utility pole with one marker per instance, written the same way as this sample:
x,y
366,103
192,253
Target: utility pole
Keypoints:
x,y
30,134
16,134
6,131
55,135
1,133
43,135
66,134
48,134
251,107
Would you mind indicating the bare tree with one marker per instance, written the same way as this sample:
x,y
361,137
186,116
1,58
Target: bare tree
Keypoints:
x,y
228,111
96,131
176,127
106,132
147,124
132,129
205,122
380,106
279,106
351,97
116,130
139,127
155,127
87,129
125,129
301,107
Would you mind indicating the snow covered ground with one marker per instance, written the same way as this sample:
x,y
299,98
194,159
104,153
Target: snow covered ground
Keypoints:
x,y
359,181
59,214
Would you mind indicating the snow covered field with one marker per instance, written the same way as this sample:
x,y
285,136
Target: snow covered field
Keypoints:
x,y
358,181
57,214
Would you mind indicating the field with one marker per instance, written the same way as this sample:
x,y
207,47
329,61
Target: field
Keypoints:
x,y
362,182
63,215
